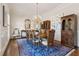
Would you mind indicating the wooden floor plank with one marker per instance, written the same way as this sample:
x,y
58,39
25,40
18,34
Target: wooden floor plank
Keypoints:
x,y
12,49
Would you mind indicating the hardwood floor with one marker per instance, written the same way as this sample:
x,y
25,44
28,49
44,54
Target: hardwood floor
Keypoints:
x,y
12,49
75,53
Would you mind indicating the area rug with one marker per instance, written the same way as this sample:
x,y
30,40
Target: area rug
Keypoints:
x,y
26,48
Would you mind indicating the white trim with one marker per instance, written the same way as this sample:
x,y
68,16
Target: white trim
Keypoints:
x,y
70,52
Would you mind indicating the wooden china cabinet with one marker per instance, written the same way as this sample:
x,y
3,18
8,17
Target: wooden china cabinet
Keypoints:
x,y
69,30
46,26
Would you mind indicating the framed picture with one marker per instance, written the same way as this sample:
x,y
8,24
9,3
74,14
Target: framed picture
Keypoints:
x,y
4,16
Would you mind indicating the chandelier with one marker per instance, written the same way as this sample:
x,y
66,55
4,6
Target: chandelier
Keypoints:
x,y
37,18
37,21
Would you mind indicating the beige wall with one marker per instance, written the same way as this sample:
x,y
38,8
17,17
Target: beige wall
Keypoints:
x,y
4,31
18,22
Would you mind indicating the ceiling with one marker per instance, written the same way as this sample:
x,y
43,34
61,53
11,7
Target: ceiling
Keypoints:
x,y
29,9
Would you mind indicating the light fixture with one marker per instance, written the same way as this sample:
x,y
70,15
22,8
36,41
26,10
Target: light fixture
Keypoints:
x,y
37,18
37,9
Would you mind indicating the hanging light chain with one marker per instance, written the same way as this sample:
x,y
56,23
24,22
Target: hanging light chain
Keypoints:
x,y
37,9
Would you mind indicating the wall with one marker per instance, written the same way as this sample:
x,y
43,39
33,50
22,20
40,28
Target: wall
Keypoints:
x,y
18,22
4,31
56,14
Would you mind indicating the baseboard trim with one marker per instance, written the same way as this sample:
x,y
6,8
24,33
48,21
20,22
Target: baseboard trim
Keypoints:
x,y
70,52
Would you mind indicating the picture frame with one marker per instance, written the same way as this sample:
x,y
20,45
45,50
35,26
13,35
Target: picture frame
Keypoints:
x,y
4,16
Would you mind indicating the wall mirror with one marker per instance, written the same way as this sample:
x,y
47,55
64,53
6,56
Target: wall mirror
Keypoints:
x,y
27,24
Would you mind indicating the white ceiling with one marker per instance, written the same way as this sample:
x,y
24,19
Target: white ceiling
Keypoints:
x,y
29,9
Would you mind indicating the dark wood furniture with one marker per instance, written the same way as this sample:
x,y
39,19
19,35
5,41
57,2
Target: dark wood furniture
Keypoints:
x,y
68,31
30,33
47,32
27,33
67,38
46,24
50,36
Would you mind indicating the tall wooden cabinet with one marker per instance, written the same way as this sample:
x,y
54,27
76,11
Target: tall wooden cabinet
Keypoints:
x,y
49,32
46,24
69,30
